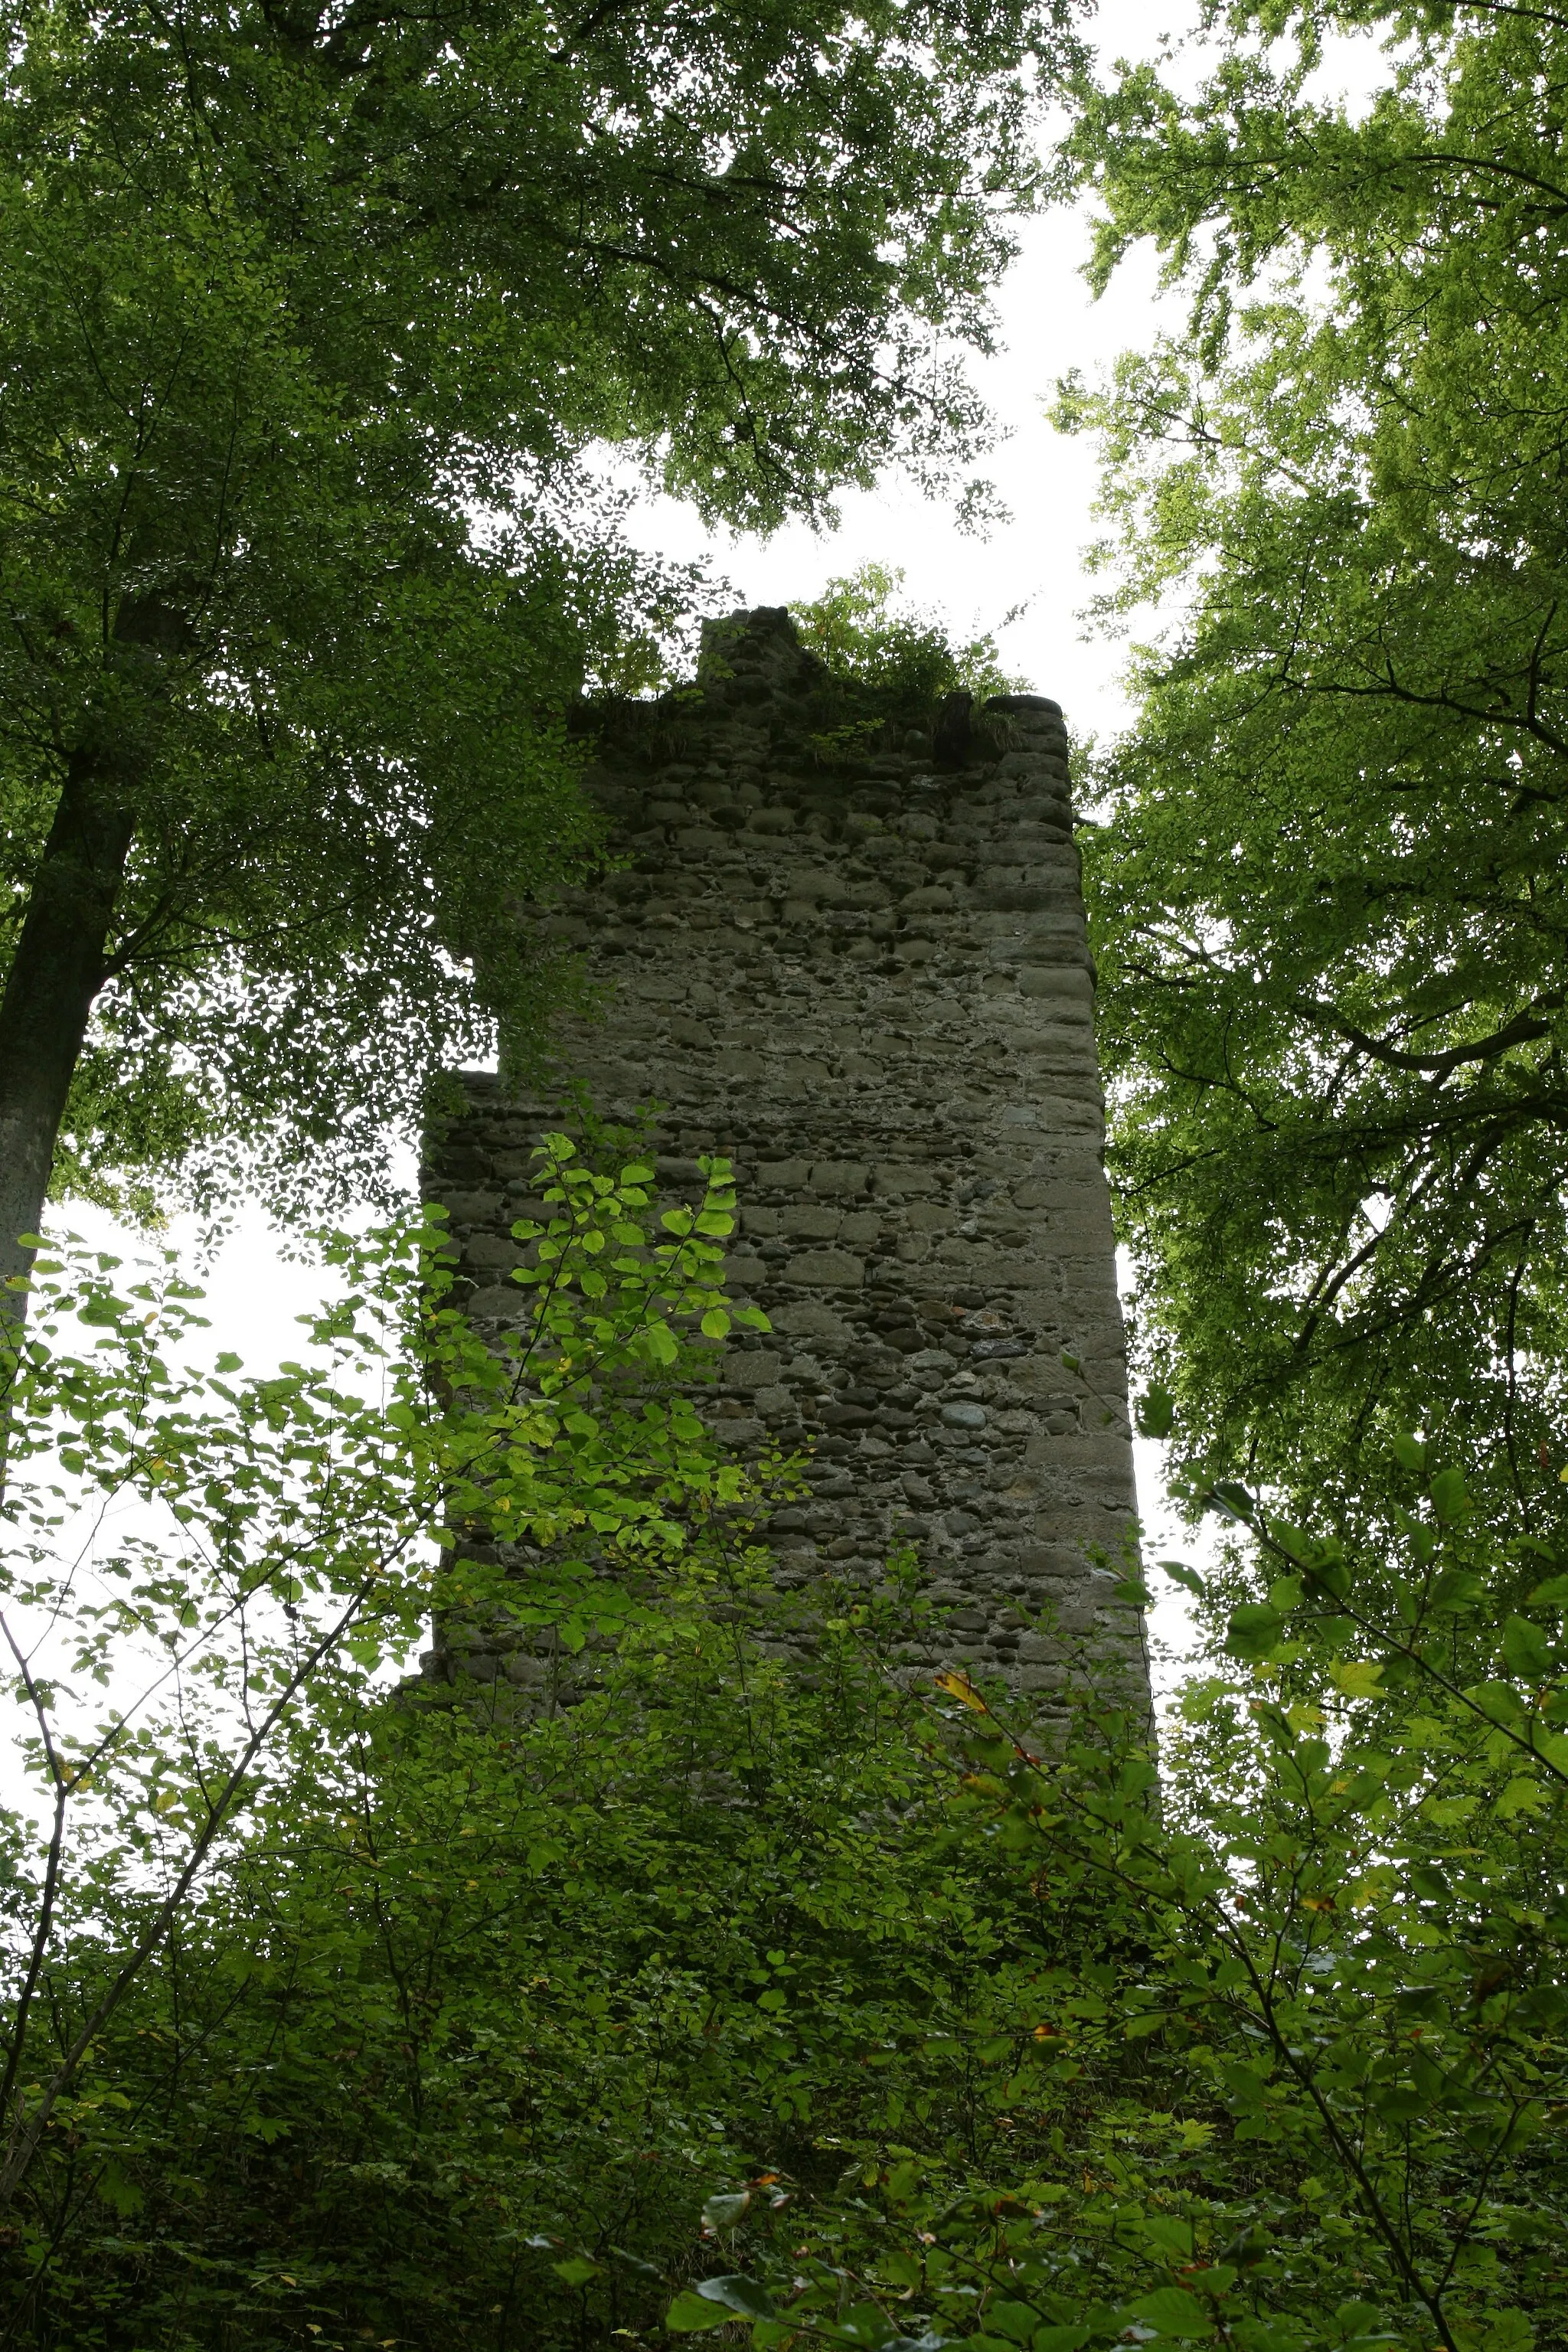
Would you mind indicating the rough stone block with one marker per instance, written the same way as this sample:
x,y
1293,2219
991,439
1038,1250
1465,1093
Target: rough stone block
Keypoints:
x,y
838,1177
810,1319
1069,980
825,1269
809,1222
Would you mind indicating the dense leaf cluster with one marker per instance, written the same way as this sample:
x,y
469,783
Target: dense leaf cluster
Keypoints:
x,y
1327,897
904,657
462,2037
315,323
1293,2063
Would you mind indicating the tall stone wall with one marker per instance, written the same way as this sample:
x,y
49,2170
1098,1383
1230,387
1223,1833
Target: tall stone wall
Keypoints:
x,y
865,977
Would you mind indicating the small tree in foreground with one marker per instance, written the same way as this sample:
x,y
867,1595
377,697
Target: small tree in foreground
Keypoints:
x,y
202,1567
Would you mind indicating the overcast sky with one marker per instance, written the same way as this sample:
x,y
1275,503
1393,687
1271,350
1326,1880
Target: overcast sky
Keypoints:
x,y
1032,563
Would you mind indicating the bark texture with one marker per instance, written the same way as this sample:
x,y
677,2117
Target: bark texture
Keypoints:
x,y
57,974
62,957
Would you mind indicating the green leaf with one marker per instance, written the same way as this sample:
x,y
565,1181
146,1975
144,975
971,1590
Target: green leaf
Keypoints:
x,y
1181,1573
1451,1498
1253,1631
120,2192
1357,2319
1173,2312
1409,1453
577,2270
1422,2001
721,2212
1552,1594
739,2295
1509,2331
1016,2321
690,2313
1327,1567
1499,1702
1156,1412
1402,2103
864,2323
1526,1650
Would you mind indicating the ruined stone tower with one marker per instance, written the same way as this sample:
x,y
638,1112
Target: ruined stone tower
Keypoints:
x,y
859,967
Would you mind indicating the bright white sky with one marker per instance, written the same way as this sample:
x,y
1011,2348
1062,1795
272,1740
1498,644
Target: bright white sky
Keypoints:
x,y
1048,325
1034,560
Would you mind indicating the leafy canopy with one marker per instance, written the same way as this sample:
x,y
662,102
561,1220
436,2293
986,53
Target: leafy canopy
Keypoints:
x,y
310,321
1327,893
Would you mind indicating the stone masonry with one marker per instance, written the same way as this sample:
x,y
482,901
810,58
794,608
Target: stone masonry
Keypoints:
x,y
858,967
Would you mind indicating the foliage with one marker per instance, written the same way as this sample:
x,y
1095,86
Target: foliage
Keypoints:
x,y
462,2039
463,2010
906,659
755,1987
313,320
886,667
1293,2075
281,1547
1326,895
467,2008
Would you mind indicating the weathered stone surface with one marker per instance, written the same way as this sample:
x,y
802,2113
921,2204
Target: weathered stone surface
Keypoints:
x,y
869,984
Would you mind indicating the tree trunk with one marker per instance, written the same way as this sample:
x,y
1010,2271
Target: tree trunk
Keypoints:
x,y
57,971
61,955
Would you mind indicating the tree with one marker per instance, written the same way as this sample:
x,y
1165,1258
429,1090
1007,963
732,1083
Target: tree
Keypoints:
x,y
309,320
1327,892
477,2011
